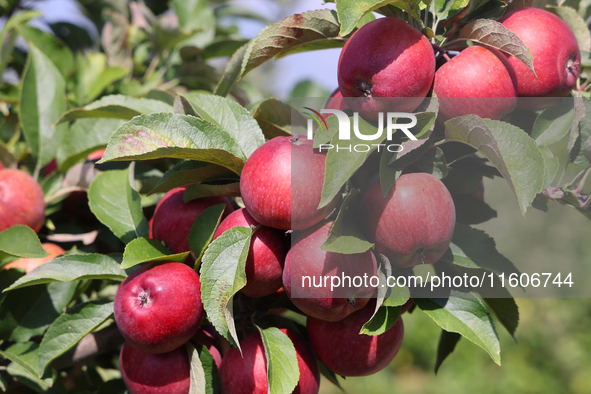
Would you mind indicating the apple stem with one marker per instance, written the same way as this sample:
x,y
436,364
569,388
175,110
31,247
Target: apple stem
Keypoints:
x,y
255,228
441,52
409,12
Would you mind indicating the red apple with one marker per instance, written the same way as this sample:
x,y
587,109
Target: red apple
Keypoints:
x,y
173,218
556,54
30,264
478,81
247,373
306,262
386,58
341,347
158,308
281,184
145,373
414,223
21,200
264,264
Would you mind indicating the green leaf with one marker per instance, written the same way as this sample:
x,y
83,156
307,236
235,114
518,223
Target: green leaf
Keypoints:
x,y
203,230
93,76
341,164
157,136
350,12
471,210
551,165
383,319
61,56
576,23
222,276
465,314
49,385
43,99
283,372
72,267
345,234
205,190
144,250
554,123
447,344
24,367
84,137
117,205
68,329
25,313
21,241
581,133
509,148
229,116
231,72
204,372
25,354
324,135
117,107
278,119
506,310
473,248
497,297
445,9
307,31
191,172
494,34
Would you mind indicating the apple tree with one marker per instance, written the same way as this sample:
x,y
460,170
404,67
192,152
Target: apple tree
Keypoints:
x,y
159,212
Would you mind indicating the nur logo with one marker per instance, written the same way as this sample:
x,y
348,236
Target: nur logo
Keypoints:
x,y
345,129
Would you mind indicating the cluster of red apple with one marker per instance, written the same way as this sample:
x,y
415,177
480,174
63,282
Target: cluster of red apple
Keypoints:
x,y
480,80
281,185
